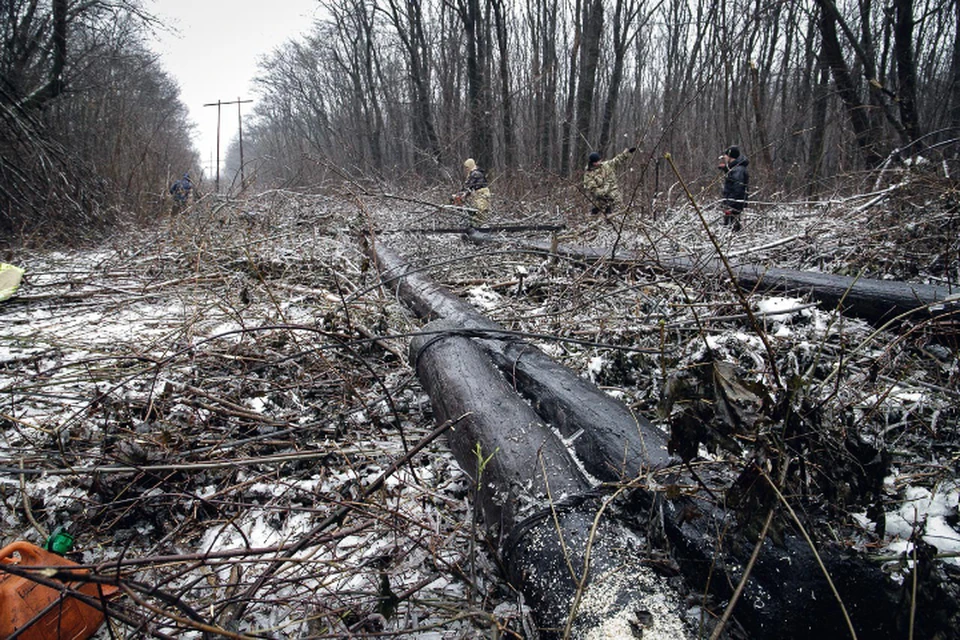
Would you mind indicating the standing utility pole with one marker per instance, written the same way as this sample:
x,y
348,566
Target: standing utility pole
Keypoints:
x,y
219,104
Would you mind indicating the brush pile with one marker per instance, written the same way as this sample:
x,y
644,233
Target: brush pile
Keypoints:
x,y
220,411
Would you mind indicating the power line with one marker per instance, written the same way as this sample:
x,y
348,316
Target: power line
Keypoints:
x,y
219,104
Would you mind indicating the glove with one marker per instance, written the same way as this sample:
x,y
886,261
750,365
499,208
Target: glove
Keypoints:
x,y
632,149
728,212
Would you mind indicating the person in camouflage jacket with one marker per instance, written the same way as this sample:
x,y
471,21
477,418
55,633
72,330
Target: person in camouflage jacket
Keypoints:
x,y
600,181
476,192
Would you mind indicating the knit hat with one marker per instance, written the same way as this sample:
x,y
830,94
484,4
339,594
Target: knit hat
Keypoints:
x,y
594,157
470,164
733,152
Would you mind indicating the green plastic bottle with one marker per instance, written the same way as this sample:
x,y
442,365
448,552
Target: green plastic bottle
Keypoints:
x,y
60,541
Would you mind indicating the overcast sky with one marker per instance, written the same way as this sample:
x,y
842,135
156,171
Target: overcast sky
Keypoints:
x,y
213,55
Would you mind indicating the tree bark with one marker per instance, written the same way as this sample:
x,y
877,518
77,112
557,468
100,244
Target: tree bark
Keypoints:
x,y
623,17
53,87
571,99
818,125
506,95
408,22
906,69
478,85
955,72
832,54
546,102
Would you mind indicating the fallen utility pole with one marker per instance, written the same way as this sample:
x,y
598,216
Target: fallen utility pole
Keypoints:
x,y
787,593
493,228
580,568
876,301
613,442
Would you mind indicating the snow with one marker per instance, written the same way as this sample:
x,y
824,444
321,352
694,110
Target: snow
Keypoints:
x,y
256,404
595,367
115,315
780,308
931,510
483,297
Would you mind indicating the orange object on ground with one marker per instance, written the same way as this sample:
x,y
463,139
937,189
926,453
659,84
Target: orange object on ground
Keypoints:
x,y
40,612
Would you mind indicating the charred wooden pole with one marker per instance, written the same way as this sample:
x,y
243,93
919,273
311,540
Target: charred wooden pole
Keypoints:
x,y
786,595
876,301
613,443
501,443
491,228
579,567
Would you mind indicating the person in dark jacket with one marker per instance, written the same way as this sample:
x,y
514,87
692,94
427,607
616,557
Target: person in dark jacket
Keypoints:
x,y
181,190
734,164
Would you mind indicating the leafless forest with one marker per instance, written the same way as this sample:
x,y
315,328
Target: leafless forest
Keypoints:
x,y
220,403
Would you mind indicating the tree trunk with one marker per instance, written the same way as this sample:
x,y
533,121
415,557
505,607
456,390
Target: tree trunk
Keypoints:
x,y
506,96
818,125
369,62
589,59
571,102
409,25
758,112
833,57
549,73
478,89
53,87
622,21
955,72
906,70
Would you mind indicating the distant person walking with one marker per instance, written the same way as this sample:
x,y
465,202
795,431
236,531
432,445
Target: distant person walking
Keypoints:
x,y
600,181
181,190
476,191
734,164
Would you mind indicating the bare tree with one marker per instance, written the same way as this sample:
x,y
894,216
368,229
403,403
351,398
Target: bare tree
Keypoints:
x,y
864,131
906,69
542,20
625,12
954,96
30,38
87,118
506,92
589,60
355,53
570,104
423,78
408,20
477,44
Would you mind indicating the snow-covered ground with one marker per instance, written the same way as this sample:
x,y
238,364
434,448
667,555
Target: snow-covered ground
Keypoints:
x,y
205,396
